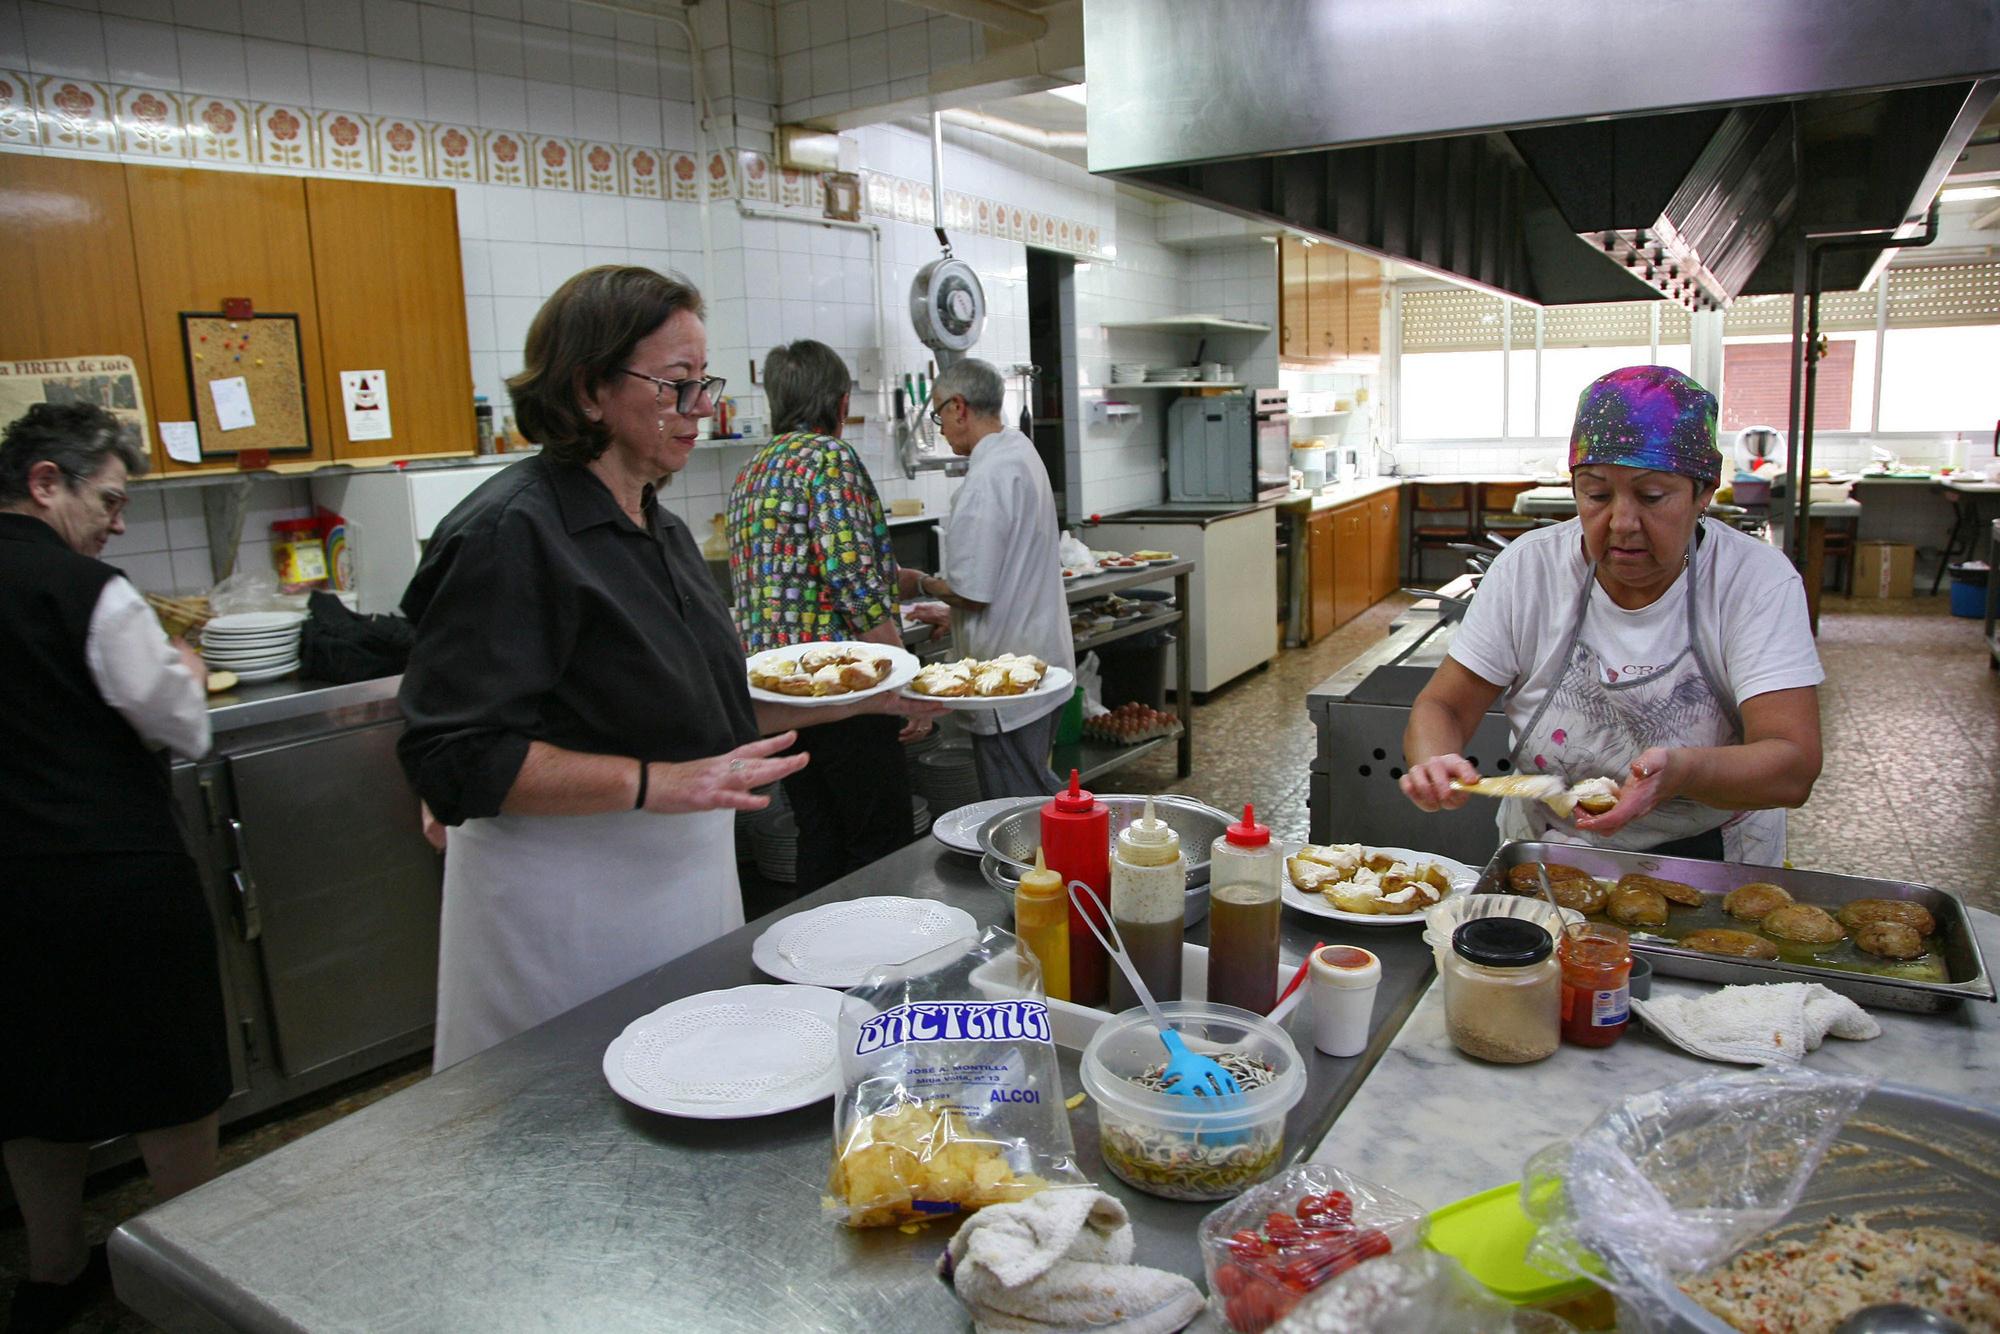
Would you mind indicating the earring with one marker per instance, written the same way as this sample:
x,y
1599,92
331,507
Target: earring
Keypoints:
x,y
592,413
661,423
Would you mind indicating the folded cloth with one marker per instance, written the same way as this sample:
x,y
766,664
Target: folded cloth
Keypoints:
x,y
1776,1023
1058,1261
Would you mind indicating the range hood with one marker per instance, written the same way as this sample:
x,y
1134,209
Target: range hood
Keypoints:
x,y
1555,151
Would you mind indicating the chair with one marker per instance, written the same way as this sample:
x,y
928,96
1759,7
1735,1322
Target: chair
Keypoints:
x,y
1963,538
1442,513
1838,545
1496,509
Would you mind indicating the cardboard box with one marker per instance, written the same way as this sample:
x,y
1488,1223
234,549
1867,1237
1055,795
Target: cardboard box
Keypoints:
x,y
1884,569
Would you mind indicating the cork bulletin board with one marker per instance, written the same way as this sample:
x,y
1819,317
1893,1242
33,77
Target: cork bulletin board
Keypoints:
x,y
265,351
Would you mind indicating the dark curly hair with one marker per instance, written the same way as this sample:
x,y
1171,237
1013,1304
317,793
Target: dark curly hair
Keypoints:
x,y
582,336
76,437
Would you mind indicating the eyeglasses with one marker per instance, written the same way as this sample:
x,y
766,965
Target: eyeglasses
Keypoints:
x,y
110,497
687,393
937,413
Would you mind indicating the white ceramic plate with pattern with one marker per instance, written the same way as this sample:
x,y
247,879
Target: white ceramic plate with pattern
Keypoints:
x,y
1462,878
1055,681
902,670
835,944
959,829
721,1055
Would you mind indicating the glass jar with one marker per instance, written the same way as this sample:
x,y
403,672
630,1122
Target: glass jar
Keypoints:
x,y
1596,962
1503,991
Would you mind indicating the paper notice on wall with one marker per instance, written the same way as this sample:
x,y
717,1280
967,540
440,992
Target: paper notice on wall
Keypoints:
x,y
183,441
365,394
232,403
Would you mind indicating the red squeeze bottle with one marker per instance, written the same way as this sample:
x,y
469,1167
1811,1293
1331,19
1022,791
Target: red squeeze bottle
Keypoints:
x,y
1076,845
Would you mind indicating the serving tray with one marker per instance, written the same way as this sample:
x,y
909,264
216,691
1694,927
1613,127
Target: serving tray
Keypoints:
x,y
1956,943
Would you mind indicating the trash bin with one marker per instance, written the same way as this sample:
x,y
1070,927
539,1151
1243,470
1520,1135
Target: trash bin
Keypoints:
x,y
1968,589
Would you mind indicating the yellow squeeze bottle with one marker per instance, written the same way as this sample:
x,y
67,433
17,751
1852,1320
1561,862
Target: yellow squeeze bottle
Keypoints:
x,y
1041,920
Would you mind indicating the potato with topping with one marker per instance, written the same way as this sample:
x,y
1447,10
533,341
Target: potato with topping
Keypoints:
x,y
1521,877
1752,902
1861,912
1636,907
1673,891
1803,922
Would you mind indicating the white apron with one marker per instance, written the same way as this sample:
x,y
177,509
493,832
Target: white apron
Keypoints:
x,y
1587,727
542,913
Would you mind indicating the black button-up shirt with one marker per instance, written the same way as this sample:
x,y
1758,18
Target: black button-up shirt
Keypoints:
x,y
544,614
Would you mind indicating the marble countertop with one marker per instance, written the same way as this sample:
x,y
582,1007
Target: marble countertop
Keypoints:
x,y
1343,493
1437,1125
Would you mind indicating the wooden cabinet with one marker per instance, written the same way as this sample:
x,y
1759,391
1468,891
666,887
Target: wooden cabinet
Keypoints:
x,y
1351,561
1385,544
1329,302
1319,576
67,266
392,298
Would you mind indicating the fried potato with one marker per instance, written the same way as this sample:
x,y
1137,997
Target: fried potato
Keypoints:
x,y
1752,902
1803,922
1736,944
1311,877
1356,896
1889,940
1586,896
920,1151
1521,878
1636,907
1861,912
1673,891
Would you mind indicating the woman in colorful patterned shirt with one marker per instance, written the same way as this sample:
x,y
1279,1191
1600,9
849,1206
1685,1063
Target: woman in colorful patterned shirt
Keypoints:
x,y
810,560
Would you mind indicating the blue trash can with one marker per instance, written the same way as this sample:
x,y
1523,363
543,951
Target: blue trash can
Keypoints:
x,y
1968,590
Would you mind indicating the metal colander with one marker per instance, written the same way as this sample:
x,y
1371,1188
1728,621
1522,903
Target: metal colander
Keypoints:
x,y
1010,838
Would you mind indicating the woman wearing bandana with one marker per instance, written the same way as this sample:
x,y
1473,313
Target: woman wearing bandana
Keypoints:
x,y
1637,642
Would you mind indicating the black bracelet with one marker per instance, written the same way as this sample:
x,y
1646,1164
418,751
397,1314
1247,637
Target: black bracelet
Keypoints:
x,y
639,803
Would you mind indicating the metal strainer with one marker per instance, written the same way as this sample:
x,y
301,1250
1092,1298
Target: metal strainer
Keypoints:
x,y
1009,840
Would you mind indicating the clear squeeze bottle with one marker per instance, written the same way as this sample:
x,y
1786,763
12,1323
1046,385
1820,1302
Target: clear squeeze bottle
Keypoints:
x,y
1245,871
1149,906
1041,921
1076,840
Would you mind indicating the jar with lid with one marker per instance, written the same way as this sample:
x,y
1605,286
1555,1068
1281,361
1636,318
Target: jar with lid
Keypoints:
x,y
1596,961
1503,991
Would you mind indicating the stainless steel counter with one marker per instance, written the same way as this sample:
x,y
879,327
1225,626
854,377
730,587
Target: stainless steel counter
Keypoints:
x,y
290,698
516,1191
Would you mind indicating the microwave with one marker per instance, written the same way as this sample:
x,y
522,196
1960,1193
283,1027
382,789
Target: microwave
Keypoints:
x,y
1234,448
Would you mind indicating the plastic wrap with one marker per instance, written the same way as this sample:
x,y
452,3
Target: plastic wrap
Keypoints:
x,y
1270,1246
1672,1182
248,590
1417,1289
953,1095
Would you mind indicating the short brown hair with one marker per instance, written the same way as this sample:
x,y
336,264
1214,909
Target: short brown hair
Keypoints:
x,y
581,337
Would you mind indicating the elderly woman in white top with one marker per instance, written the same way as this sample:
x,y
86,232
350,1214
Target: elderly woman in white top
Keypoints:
x,y
1639,643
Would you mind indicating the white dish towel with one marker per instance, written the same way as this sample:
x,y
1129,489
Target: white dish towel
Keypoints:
x,y
1776,1023
1057,1261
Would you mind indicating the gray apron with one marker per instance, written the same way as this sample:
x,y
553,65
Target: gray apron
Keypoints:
x,y
1588,727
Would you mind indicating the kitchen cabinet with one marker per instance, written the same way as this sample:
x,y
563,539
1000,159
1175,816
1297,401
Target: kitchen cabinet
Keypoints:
x,y
1233,597
1319,577
1385,544
1329,302
67,265
1350,561
200,236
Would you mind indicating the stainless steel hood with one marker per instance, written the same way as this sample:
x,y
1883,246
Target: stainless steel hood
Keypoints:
x,y
1553,150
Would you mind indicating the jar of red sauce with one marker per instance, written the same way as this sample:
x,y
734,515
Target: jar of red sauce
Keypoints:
x,y
1596,983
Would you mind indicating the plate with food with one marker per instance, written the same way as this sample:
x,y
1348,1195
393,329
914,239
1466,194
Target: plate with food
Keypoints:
x,y
1370,886
989,683
834,672
744,1051
1152,557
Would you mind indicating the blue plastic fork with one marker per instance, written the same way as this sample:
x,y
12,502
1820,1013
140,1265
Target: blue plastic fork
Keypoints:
x,y
1188,1074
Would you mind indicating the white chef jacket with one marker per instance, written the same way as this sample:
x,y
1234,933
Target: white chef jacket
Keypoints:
x,y
1000,548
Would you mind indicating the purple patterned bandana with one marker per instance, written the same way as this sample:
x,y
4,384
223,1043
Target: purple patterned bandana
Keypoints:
x,y
1647,417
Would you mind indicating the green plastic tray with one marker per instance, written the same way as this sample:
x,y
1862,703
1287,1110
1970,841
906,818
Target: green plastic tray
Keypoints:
x,y
1488,1233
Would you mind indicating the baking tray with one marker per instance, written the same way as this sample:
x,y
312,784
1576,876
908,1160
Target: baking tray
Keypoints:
x,y
1956,943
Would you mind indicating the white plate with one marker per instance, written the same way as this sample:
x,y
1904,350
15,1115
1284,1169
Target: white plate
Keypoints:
x,y
1056,681
237,622
236,661
746,1051
959,829
1462,878
902,670
835,944
257,674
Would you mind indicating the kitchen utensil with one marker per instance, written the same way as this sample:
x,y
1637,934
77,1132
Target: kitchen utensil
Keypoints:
x,y
1530,787
1188,1075
1548,891
836,944
902,670
1009,840
959,829
744,1051
1294,992
1462,878
1897,1318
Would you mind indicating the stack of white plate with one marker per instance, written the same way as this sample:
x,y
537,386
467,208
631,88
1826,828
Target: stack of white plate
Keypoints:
x,y
920,817
256,645
1173,373
1128,372
946,777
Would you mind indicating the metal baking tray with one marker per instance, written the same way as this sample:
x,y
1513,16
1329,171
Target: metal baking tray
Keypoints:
x,y
1957,944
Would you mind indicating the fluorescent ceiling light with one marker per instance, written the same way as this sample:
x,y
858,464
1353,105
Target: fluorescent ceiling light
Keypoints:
x,y
1071,92
1960,192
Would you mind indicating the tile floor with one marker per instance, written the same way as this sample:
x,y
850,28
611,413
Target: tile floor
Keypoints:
x,y
1911,789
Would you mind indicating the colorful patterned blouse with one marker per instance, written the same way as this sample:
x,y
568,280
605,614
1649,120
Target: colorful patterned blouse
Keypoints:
x,y
809,553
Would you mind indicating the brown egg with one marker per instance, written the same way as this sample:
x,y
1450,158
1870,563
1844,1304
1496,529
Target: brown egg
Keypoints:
x,y
1802,921
1861,912
1722,940
1751,902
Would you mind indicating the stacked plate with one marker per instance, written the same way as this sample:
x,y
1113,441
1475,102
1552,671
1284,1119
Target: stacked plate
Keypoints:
x,y
1128,372
774,845
1174,374
946,777
920,817
256,645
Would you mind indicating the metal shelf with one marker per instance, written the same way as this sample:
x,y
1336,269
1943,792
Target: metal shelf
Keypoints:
x,y
1189,324
1097,585
1093,759
1174,384
1091,639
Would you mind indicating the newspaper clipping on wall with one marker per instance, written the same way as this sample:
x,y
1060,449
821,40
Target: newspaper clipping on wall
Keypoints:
x,y
108,382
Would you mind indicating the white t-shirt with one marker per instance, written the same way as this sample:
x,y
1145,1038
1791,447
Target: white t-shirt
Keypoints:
x,y
1750,611
141,675
1000,549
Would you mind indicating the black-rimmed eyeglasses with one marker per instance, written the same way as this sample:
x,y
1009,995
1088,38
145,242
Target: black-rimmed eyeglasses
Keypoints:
x,y
687,393
937,413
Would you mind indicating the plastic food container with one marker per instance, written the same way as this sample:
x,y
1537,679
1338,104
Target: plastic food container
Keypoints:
x,y
1185,1148
1443,919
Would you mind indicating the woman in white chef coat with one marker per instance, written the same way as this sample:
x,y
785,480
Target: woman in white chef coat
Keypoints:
x,y
1638,642
577,703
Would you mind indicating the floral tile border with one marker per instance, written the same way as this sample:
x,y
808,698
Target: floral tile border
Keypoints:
x,y
68,115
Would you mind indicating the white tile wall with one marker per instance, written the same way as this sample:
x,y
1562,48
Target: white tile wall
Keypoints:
x,y
164,548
